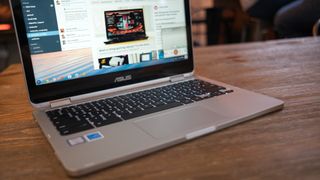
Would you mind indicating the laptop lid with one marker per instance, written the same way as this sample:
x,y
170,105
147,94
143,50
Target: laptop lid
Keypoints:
x,y
63,51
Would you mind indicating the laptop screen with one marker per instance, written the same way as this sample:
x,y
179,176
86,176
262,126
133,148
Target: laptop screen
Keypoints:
x,y
72,39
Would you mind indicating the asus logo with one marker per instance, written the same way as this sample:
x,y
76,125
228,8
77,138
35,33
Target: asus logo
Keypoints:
x,y
123,78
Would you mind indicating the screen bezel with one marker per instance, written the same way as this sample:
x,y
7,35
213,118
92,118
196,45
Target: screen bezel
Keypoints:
x,y
60,90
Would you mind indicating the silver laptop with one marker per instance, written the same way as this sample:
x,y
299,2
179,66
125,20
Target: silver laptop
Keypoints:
x,y
101,104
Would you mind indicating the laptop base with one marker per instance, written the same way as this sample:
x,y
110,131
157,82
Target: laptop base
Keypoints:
x,y
126,140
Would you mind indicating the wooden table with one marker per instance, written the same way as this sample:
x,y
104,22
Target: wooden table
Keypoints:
x,y
282,145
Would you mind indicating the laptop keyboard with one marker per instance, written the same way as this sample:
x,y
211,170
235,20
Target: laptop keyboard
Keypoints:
x,y
81,117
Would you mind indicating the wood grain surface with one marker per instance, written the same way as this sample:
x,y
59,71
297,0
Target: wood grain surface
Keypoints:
x,y
283,145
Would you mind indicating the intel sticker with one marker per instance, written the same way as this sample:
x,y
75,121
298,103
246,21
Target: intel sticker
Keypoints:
x,y
93,136
76,141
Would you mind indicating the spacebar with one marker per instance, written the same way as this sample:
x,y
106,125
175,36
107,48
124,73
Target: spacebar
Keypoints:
x,y
151,110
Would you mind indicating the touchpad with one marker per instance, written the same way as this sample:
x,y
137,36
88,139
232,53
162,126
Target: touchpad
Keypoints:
x,y
180,122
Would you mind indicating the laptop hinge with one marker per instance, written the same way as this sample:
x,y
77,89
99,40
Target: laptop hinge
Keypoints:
x,y
63,102
177,78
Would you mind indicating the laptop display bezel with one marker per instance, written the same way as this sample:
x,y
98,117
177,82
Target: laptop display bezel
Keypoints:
x,y
65,89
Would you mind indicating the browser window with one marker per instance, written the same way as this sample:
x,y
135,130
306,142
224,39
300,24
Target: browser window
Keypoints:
x,y
70,39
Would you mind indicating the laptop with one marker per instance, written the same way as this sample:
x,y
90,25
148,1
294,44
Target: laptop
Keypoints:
x,y
101,105
125,25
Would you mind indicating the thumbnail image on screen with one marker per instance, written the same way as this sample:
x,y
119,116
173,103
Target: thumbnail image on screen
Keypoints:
x,y
125,24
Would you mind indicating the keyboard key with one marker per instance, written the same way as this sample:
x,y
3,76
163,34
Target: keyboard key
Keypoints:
x,y
75,129
107,121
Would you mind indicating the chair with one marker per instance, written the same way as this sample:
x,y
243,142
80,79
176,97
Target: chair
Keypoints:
x,y
4,53
8,45
315,30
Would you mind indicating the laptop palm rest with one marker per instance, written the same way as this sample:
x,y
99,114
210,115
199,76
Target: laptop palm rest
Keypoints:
x,y
180,122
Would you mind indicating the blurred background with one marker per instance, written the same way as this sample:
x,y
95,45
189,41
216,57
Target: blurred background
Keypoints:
x,y
215,22
8,47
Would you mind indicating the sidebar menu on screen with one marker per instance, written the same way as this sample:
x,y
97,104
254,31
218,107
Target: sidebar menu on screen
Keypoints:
x,y
41,26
